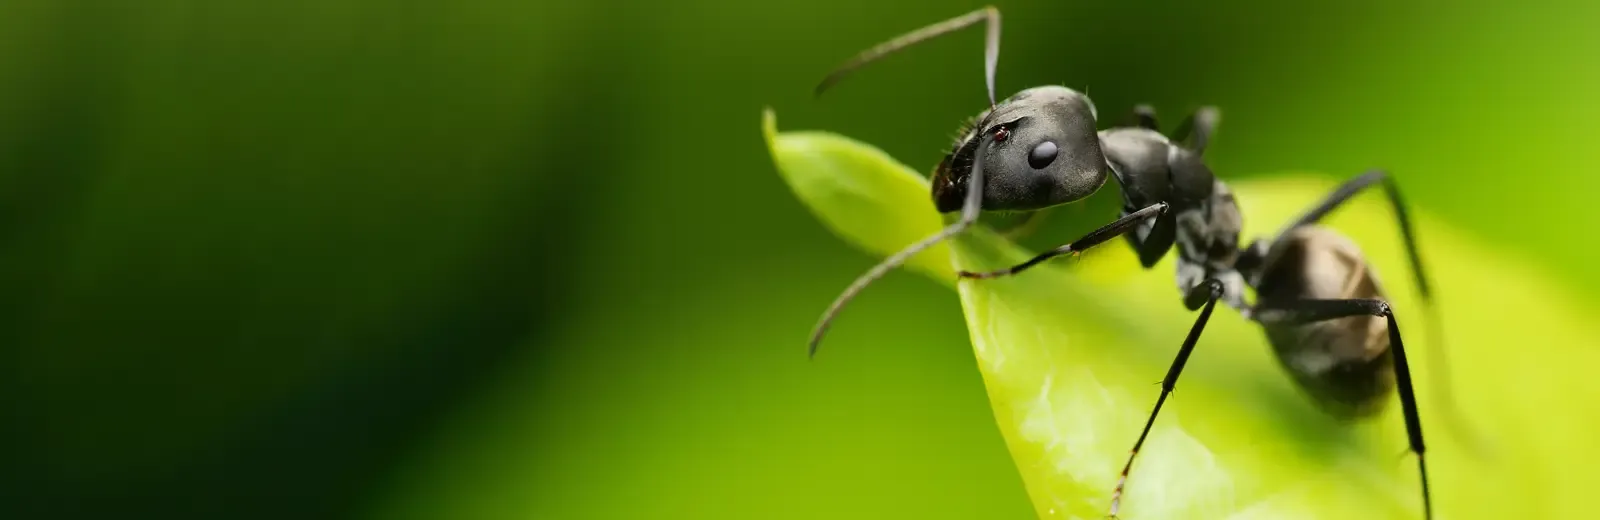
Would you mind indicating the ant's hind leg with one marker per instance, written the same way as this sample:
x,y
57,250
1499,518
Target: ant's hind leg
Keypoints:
x,y
1312,311
1439,355
1343,194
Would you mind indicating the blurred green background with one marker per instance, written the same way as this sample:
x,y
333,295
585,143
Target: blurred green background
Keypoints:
x,y
486,259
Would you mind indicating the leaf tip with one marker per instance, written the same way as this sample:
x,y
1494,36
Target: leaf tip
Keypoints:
x,y
769,125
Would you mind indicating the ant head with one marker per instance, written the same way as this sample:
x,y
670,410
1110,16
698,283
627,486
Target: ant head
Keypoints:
x,y
1044,152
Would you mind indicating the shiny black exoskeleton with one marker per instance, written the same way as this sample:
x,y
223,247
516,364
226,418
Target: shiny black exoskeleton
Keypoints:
x,y
1318,300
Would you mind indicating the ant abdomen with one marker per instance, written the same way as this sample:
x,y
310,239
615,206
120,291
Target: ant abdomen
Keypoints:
x,y
1344,364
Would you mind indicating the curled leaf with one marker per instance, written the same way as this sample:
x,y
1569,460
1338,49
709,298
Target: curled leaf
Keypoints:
x,y
1070,354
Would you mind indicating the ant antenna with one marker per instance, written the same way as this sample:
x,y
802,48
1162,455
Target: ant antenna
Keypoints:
x,y
969,214
991,49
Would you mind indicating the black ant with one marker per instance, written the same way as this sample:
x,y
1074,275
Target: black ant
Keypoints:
x,y
1316,296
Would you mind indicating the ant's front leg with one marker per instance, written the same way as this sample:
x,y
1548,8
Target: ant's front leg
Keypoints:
x,y
1094,238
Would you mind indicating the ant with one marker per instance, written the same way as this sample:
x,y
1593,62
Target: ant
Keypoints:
x,y
1317,299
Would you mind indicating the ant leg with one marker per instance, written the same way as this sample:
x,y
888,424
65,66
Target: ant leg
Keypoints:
x,y
1207,292
1310,311
970,209
1094,238
991,48
1144,116
1344,193
1391,191
1199,126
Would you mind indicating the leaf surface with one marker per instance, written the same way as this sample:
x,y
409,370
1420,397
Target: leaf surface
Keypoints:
x,y
1071,354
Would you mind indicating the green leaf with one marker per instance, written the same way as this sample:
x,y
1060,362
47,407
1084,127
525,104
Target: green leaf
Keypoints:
x,y
879,213
1071,354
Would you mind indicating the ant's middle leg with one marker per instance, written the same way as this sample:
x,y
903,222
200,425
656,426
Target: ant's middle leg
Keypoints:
x,y
1203,297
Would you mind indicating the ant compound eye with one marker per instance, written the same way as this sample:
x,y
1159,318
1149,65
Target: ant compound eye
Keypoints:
x,y
1042,155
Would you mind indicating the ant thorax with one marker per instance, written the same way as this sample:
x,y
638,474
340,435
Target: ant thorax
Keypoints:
x,y
1207,243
